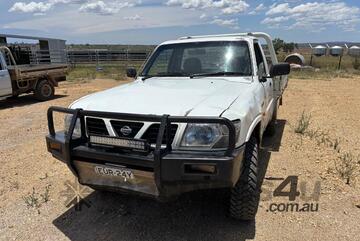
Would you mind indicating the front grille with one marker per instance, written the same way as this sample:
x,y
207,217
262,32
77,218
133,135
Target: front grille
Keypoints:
x,y
96,127
151,133
133,127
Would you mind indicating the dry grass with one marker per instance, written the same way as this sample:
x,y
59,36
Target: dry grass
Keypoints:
x,y
84,73
324,74
35,199
325,67
303,123
347,167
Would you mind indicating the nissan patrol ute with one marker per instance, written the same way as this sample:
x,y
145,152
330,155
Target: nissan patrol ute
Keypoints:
x,y
192,119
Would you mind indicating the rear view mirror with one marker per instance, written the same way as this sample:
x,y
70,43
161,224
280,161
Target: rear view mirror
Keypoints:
x,y
131,72
280,69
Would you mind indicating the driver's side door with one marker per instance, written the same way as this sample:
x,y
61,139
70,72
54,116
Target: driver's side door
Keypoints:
x,y
266,81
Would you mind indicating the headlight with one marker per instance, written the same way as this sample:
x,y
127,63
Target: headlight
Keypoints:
x,y
207,135
77,129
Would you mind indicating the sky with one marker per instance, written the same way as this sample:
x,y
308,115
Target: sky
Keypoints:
x,y
152,21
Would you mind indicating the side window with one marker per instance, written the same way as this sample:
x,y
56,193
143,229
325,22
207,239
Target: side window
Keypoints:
x,y
161,63
259,60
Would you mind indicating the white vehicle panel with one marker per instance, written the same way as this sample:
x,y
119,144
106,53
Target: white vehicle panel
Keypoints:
x,y
5,81
173,96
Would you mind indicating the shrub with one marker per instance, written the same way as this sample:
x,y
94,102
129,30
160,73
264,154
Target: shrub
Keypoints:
x,y
303,123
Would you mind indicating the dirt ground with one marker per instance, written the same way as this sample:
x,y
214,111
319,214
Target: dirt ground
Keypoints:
x,y
27,170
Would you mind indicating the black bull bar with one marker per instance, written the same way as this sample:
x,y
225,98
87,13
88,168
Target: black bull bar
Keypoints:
x,y
64,150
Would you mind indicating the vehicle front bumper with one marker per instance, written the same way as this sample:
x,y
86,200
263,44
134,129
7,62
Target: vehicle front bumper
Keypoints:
x,y
158,174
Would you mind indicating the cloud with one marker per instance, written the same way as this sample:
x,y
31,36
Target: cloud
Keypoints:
x,y
135,17
259,8
226,6
39,8
313,15
275,20
71,23
226,22
107,7
39,14
98,7
280,8
31,7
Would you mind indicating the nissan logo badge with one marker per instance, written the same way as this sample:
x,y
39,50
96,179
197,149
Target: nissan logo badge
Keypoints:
x,y
125,130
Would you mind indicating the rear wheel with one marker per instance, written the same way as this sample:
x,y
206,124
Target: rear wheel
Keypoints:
x,y
245,195
44,90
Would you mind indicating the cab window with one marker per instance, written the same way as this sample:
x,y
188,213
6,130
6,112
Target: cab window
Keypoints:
x,y
259,60
162,62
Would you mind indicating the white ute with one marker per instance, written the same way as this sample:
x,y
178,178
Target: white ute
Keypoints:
x,y
193,118
41,79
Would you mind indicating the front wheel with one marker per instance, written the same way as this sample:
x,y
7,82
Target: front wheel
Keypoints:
x,y
44,90
245,195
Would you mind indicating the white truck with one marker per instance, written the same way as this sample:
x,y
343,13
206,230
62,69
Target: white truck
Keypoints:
x,y
193,118
18,79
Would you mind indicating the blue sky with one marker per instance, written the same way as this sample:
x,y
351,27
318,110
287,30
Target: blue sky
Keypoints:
x,y
152,21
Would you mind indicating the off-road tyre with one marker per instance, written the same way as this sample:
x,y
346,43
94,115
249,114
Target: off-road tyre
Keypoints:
x,y
44,90
245,195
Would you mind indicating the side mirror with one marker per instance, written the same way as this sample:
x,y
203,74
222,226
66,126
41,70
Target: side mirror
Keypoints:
x,y
131,72
280,69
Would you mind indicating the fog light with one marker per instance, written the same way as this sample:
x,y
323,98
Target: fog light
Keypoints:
x,y
55,146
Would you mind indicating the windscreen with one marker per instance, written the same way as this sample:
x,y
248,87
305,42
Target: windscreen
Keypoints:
x,y
200,58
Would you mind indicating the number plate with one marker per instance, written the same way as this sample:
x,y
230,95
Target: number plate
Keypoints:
x,y
114,172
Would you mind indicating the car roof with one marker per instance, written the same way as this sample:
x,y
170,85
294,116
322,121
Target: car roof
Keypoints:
x,y
209,39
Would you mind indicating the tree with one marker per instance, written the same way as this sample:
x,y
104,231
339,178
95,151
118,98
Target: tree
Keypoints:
x,y
278,44
289,47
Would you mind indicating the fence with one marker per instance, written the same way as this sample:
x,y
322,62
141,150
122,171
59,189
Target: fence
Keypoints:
x,y
104,56
77,57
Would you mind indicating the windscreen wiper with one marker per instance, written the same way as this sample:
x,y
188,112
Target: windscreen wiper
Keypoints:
x,y
147,77
172,74
220,73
